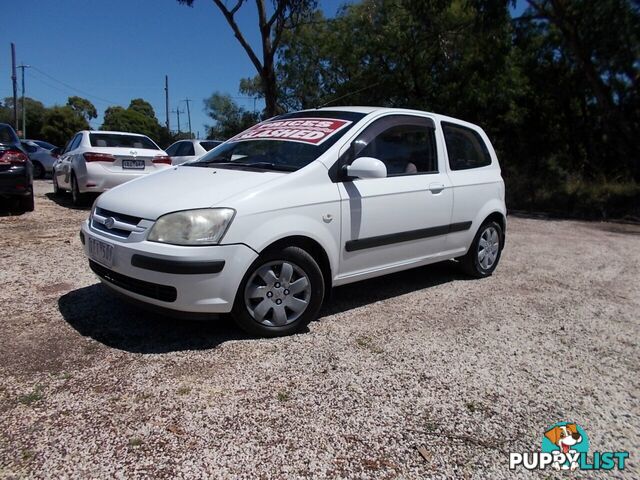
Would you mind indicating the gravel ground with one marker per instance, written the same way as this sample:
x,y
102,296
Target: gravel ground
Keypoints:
x,y
468,369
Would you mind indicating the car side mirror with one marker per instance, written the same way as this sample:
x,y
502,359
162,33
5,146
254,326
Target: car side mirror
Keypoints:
x,y
366,167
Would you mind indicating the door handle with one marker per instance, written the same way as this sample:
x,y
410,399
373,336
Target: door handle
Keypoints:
x,y
436,188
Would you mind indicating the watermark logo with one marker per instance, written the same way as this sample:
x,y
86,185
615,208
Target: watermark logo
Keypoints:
x,y
565,446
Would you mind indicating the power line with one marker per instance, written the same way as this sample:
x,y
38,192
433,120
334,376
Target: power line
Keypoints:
x,y
110,102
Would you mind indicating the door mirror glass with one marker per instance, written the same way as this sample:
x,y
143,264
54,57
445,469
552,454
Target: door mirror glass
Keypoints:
x,y
367,167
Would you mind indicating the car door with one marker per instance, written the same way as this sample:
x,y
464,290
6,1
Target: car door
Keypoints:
x,y
63,170
390,223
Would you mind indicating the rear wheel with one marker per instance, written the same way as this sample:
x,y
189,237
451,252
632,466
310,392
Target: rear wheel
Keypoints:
x,y
484,254
77,198
280,294
38,170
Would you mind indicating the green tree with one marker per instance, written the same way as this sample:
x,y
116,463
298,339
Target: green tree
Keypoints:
x,y
128,120
285,15
35,112
61,123
229,118
142,106
83,107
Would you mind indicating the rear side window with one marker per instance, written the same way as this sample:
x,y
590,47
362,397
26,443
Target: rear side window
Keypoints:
x,y
29,147
465,147
125,141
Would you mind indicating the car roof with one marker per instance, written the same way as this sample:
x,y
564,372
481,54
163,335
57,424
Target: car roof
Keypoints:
x,y
370,110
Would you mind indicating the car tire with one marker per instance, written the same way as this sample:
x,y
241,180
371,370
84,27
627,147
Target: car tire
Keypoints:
x,y
266,305
77,198
485,251
38,170
26,204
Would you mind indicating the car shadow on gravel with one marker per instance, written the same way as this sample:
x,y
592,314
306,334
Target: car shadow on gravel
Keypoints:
x,y
376,289
96,312
64,200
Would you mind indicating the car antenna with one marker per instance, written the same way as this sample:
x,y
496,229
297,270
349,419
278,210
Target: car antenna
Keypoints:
x,y
348,95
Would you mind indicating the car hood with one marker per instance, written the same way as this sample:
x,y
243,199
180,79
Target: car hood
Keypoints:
x,y
181,188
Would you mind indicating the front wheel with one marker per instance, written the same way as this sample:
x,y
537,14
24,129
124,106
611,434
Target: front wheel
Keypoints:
x,y
280,294
484,254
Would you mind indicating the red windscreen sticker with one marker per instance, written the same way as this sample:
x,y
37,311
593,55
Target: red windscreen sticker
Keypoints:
x,y
313,131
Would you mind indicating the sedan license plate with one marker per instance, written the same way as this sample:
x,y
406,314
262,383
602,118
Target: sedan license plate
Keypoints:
x,y
133,164
101,252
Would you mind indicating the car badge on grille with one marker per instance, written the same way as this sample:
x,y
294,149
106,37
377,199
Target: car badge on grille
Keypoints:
x,y
134,153
110,222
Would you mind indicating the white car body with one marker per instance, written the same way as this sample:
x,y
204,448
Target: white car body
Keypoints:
x,y
188,150
110,168
356,228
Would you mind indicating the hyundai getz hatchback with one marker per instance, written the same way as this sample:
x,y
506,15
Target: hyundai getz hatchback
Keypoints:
x,y
266,223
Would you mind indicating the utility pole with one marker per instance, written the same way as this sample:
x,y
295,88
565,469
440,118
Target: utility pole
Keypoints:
x,y
187,100
178,112
166,100
15,85
24,109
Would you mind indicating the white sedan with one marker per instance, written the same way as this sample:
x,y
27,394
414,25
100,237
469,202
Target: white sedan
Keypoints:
x,y
187,150
96,161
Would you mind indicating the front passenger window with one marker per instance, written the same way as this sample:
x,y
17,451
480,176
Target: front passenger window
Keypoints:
x,y
405,144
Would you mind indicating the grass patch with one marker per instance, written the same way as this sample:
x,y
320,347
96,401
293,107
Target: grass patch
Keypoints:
x,y
283,396
183,391
367,343
135,442
27,455
32,397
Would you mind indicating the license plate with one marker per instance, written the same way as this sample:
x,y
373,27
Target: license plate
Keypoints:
x,y
101,252
133,164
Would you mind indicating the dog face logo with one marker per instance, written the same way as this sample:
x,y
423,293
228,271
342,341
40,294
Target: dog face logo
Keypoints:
x,y
567,438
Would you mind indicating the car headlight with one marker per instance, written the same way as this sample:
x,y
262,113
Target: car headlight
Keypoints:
x,y
204,226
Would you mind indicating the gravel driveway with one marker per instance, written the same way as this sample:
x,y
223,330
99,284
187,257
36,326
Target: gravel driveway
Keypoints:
x,y
468,369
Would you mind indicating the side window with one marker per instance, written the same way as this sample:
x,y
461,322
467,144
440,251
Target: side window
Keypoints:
x,y
171,151
465,147
405,144
187,149
29,148
74,143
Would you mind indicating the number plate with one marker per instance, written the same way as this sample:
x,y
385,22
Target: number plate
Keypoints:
x,y
101,252
133,164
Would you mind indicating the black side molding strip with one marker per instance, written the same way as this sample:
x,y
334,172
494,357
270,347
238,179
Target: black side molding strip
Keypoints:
x,y
176,266
371,242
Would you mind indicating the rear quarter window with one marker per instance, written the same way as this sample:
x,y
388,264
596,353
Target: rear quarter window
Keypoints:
x,y
465,147
7,135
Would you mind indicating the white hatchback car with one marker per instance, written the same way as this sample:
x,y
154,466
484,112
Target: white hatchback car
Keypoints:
x,y
266,223
188,150
95,161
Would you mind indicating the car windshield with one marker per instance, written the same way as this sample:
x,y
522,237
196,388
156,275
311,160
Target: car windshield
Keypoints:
x,y
285,143
117,140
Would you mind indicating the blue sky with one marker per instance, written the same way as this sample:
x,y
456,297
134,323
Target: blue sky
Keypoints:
x,y
111,52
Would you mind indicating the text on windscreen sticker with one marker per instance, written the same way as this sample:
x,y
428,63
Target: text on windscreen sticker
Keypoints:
x,y
306,130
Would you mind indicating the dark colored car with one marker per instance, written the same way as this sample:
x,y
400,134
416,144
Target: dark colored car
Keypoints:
x,y
16,170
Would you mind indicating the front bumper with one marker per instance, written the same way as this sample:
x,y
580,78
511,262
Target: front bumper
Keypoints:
x,y
183,279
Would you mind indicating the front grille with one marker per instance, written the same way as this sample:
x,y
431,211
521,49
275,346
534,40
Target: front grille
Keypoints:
x,y
124,224
164,293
